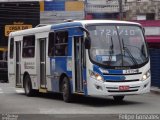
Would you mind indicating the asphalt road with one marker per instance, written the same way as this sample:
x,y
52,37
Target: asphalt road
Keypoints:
x,y
13,101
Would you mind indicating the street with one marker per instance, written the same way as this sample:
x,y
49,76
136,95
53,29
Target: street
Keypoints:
x,y
14,101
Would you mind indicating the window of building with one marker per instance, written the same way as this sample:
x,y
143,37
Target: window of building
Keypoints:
x,y
150,16
155,31
28,46
51,44
61,43
11,47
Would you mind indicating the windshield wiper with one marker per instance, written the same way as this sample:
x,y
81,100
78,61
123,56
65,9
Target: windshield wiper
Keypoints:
x,y
110,51
143,55
129,53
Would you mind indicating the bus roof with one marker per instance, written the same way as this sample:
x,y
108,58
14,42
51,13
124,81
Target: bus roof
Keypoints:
x,y
68,24
106,21
31,31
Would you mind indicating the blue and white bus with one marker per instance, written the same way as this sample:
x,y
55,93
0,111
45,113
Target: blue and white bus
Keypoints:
x,y
88,57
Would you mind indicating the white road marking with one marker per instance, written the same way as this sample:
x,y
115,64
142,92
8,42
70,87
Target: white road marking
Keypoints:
x,y
11,90
19,90
1,91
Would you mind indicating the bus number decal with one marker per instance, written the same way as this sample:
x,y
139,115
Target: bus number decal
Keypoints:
x,y
28,65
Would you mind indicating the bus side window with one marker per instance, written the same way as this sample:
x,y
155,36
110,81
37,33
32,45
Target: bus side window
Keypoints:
x,y
11,47
61,43
28,46
51,44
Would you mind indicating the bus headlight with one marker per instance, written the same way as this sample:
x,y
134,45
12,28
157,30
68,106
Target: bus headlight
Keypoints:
x,y
146,75
96,76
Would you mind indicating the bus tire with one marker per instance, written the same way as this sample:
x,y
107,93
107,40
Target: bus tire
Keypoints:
x,y
118,98
28,86
67,96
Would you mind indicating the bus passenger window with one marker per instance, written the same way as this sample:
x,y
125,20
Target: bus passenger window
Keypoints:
x,y
51,44
11,47
28,46
61,43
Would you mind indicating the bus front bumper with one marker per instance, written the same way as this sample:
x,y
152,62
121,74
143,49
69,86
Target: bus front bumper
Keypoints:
x,y
119,88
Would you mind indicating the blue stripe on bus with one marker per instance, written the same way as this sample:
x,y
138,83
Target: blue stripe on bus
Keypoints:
x,y
58,65
97,69
115,71
114,78
66,25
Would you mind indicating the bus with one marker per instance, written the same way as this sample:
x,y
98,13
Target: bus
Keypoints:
x,y
3,64
87,57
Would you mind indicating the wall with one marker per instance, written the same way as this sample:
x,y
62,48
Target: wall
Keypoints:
x,y
16,16
59,10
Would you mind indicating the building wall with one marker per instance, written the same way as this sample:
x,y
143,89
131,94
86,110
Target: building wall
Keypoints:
x,y
74,6
59,10
16,16
143,8
133,9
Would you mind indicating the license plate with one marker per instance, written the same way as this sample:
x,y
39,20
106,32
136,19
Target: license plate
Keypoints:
x,y
123,88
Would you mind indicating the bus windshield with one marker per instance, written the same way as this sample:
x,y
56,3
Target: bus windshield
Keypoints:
x,y
117,45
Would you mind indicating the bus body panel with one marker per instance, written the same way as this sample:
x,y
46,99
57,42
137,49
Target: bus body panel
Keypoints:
x,y
138,87
65,64
40,37
11,74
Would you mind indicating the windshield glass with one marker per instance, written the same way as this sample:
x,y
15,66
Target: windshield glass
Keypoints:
x,y
113,45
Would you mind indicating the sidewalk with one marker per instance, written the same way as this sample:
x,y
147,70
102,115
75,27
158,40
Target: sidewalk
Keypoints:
x,y
155,90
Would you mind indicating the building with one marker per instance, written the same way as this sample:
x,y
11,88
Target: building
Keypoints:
x,y
132,9
55,11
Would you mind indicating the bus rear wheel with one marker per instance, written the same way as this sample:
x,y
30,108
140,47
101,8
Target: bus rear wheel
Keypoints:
x,y
28,86
67,96
118,98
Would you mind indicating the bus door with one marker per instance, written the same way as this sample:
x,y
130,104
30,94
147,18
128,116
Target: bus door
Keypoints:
x,y
79,58
42,50
18,63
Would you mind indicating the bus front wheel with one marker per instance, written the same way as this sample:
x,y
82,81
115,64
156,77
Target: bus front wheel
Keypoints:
x,y
66,90
118,98
28,86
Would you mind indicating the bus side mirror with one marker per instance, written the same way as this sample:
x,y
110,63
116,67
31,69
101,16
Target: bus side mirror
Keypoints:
x,y
87,43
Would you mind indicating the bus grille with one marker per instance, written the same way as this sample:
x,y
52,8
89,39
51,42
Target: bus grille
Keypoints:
x,y
134,80
123,91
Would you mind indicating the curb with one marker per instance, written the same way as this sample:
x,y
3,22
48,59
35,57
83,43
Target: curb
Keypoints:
x,y
155,90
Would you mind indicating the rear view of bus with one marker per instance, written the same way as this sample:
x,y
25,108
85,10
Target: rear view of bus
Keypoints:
x,y
120,61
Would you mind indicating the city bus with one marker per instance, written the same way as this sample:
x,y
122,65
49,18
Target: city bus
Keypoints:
x,y
89,57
